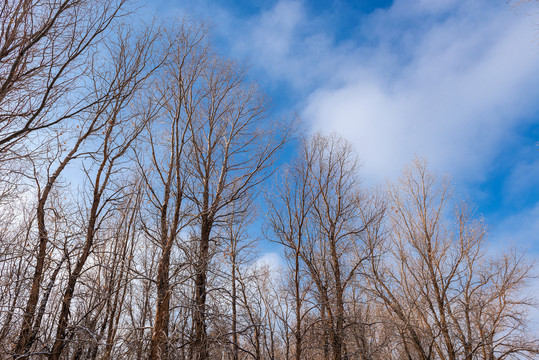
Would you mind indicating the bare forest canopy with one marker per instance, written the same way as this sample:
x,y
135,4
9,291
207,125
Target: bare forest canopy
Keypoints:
x,y
133,163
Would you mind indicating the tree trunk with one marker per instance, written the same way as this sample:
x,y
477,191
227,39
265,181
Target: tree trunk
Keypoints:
x,y
60,341
200,346
158,347
298,334
235,349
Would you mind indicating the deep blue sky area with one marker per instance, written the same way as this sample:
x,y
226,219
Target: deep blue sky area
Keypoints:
x,y
453,81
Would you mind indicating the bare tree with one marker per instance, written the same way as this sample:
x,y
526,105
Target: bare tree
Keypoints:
x,y
120,129
17,220
100,123
231,152
446,298
321,220
289,221
238,254
99,299
163,163
44,55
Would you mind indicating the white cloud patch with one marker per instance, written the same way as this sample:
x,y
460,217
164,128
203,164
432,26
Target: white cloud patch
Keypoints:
x,y
270,260
462,86
275,30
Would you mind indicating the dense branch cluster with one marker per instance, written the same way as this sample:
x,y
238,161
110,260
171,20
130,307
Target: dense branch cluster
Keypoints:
x,y
137,171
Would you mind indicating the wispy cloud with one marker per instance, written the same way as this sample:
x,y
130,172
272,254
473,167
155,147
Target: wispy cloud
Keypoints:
x,y
454,92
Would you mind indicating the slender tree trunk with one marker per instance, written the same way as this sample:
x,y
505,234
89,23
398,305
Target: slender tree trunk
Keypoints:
x,y
325,327
24,340
119,297
33,298
60,341
200,345
339,318
159,344
235,349
18,283
43,305
258,352
297,294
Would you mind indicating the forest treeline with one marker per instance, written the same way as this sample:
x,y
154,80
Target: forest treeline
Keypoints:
x,y
138,170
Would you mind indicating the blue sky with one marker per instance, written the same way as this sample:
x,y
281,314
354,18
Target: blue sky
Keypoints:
x,y
453,81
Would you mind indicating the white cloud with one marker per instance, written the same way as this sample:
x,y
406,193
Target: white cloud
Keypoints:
x,y
282,43
274,30
461,87
448,80
271,260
